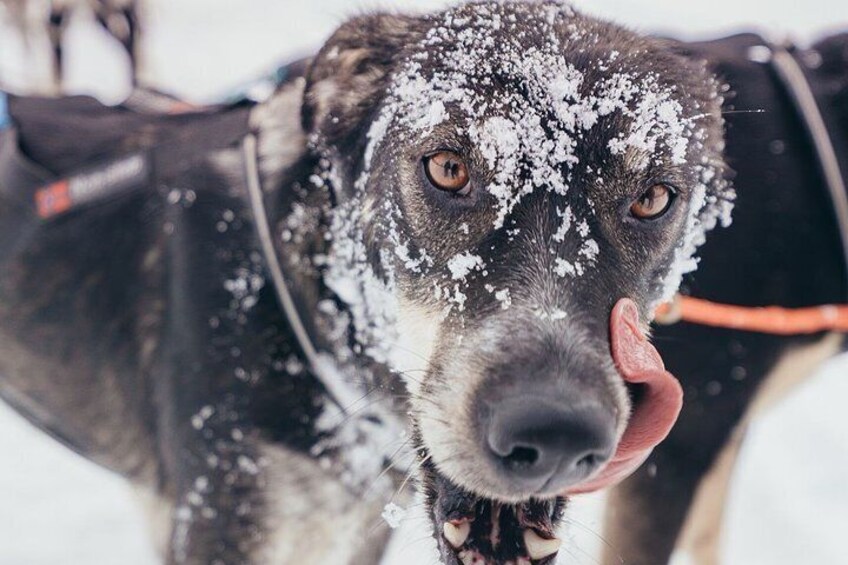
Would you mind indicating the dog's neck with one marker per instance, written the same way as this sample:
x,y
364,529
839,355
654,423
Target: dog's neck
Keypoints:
x,y
365,414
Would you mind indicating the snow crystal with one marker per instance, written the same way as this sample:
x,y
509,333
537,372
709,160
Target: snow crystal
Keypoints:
x,y
458,297
247,465
565,268
567,218
554,315
199,419
245,287
503,297
462,264
558,314
393,515
590,249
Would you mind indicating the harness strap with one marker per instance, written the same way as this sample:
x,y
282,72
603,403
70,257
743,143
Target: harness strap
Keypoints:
x,y
795,81
318,364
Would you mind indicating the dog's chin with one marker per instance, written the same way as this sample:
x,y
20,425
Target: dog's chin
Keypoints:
x,y
472,529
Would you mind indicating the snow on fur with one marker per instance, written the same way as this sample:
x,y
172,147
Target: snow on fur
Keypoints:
x,y
529,138
517,135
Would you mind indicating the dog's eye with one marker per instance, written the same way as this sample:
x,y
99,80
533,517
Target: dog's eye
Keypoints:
x,y
653,203
447,171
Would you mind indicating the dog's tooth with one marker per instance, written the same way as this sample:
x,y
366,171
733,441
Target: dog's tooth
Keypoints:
x,y
539,547
523,561
456,534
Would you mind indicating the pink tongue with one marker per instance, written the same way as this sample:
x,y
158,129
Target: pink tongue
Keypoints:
x,y
658,405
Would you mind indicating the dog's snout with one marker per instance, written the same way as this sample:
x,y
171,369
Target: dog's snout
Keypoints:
x,y
544,446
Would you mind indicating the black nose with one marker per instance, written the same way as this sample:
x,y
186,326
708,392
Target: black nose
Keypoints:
x,y
545,446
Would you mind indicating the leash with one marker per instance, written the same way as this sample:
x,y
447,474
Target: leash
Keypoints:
x,y
768,319
772,319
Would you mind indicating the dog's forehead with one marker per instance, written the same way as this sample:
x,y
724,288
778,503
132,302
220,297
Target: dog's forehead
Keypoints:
x,y
537,100
515,81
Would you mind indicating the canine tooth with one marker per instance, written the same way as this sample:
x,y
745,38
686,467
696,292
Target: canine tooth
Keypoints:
x,y
539,547
456,534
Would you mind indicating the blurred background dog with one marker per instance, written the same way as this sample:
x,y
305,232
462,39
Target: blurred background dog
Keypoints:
x,y
42,25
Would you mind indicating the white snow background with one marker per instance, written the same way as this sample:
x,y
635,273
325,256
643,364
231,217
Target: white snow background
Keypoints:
x,y
789,501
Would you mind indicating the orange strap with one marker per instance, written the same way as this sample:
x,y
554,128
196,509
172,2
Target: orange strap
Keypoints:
x,y
769,320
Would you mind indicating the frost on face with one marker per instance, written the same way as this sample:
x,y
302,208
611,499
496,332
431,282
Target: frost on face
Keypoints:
x,y
503,296
529,136
462,264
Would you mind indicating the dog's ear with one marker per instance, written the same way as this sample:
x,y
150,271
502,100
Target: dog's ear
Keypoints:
x,y
349,76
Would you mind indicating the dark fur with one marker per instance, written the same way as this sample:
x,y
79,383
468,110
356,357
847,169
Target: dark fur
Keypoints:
x,y
116,330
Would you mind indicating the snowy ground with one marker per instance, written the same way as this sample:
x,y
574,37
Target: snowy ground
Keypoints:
x,y
789,502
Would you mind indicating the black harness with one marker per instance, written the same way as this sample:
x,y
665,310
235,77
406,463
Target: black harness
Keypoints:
x,y
177,142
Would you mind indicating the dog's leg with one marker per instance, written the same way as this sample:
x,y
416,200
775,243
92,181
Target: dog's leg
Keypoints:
x,y
677,498
158,511
120,19
644,513
313,518
225,408
270,505
57,21
702,530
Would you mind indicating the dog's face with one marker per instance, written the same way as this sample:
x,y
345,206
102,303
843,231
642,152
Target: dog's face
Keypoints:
x,y
506,172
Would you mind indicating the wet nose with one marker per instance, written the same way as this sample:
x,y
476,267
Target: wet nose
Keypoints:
x,y
545,446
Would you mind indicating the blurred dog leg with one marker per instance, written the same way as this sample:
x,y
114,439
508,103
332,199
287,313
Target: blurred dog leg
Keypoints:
x,y
702,531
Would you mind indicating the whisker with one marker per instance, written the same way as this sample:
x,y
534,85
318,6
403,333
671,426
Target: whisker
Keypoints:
x,y
410,475
603,540
755,111
389,467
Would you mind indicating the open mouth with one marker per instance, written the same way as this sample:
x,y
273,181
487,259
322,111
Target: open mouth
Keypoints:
x,y
471,530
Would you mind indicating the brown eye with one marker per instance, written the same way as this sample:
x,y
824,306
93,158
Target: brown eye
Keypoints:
x,y
653,203
446,171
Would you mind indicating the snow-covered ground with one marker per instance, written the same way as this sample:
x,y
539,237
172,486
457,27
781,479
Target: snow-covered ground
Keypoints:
x,y
789,502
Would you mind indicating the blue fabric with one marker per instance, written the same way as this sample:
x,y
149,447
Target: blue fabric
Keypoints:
x,y
5,121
